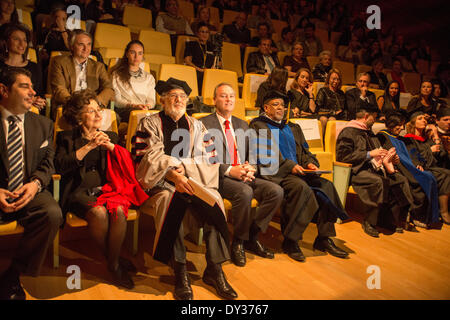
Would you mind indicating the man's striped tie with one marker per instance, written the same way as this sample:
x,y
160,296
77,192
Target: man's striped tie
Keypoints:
x,y
15,154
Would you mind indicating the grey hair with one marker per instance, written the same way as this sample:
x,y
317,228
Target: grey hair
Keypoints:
x,y
75,33
324,53
362,74
221,85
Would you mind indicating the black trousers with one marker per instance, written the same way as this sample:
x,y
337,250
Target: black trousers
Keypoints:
x,y
240,194
41,219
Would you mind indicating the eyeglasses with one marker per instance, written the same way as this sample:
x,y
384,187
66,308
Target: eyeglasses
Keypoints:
x,y
277,104
173,96
92,111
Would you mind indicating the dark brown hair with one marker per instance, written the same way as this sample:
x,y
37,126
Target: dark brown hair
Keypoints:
x,y
122,67
6,31
72,108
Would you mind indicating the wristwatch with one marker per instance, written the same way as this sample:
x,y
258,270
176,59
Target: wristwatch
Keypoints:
x,y
39,184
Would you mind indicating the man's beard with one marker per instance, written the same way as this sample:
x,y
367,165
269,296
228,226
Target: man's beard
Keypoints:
x,y
175,113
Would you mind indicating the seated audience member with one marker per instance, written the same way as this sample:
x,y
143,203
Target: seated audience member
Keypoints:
x,y
70,73
443,77
237,180
237,32
384,193
26,138
264,60
373,53
353,53
311,44
277,80
378,79
423,102
424,190
396,74
423,143
296,60
164,172
360,97
330,100
390,101
203,15
308,196
321,69
134,88
443,130
436,95
199,54
8,12
173,23
13,55
90,179
301,95
263,33
287,40
261,16
57,36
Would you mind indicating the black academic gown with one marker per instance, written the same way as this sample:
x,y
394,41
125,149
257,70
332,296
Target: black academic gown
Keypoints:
x,y
304,195
375,188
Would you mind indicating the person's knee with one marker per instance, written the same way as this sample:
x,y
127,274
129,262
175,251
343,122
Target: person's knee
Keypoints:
x,y
54,215
97,213
245,195
277,193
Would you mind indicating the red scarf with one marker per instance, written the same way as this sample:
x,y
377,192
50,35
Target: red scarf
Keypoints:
x,y
419,138
122,188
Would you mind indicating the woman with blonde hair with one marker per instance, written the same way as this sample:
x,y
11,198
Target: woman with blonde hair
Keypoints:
x,y
296,60
302,101
203,15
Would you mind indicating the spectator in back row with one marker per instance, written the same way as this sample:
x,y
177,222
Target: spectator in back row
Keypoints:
x,y
296,60
262,15
262,61
134,88
396,74
203,15
378,79
13,54
263,32
237,32
390,101
321,69
287,41
70,73
353,53
8,12
312,45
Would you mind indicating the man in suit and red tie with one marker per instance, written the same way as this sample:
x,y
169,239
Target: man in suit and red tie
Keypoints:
x,y
237,181
26,167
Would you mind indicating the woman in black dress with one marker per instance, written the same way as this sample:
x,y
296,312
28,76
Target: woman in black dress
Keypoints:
x,y
81,159
199,54
330,101
390,101
424,102
296,60
302,101
14,39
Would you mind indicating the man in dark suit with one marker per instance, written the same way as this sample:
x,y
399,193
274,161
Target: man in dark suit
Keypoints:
x,y
360,97
262,61
26,167
70,73
237,180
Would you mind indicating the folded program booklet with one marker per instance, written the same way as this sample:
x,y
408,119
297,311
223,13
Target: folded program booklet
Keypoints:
x,y
316,171
203,193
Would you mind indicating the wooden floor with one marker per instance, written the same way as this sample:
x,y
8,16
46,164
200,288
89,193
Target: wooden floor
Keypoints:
x,y
412,266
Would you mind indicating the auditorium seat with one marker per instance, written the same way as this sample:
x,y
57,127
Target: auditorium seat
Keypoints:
x,y
317,85
347,71
278,26
186,9
143,65
250,88
156,42
281,55
231,58
247,51
362,68
214,17
133,121
330,47
312,61
156,60
229,16
200,115
181,45
378,92
25,18
212,77
32,55
187,73
412,81
110,36
137,18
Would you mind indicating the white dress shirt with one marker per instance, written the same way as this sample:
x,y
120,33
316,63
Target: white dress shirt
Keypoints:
x,y
80,71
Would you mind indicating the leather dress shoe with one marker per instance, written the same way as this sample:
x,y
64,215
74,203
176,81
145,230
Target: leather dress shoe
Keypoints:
x,y
122,278
238,254
370,230
327,245
10,287
215,277
257,248
293,250
183,290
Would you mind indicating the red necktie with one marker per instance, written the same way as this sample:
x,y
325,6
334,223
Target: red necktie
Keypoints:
x,y
230,143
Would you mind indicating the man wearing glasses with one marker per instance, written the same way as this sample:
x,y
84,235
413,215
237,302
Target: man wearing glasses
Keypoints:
x,y
360,97
308,196
171,150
